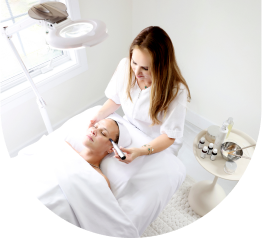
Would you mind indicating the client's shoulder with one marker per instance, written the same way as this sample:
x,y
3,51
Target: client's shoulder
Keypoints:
x,y
72,147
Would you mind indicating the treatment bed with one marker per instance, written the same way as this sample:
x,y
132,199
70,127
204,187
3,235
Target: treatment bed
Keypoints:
x,y
72,189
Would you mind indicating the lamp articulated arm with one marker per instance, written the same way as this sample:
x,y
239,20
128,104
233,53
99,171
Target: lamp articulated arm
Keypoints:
x,y
41,103
72,34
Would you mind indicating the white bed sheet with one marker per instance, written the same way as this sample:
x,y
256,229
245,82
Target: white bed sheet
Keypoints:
x,y
147,184
62,180
142,188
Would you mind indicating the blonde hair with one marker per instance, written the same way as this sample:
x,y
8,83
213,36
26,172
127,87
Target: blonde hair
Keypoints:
x,y
166,75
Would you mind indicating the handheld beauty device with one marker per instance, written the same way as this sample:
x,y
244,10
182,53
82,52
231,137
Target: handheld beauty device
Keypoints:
x,y
119,152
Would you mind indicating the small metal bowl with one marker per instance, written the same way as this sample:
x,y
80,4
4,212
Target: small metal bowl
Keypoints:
x,y
230,146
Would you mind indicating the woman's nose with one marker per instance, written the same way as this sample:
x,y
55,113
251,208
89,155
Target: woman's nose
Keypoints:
x,y
93,131
137,70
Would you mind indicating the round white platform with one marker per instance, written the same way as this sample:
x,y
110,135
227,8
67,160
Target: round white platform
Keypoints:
x,y
206,195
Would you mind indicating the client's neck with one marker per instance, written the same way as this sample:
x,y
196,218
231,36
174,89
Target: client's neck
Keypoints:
x,y
91,157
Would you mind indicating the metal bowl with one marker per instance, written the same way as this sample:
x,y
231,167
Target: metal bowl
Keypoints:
x,y
228,146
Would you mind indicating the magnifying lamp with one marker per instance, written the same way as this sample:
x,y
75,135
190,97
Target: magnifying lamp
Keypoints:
x,y
62,32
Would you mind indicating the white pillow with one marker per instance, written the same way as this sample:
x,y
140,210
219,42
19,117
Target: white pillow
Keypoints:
x,y
73,132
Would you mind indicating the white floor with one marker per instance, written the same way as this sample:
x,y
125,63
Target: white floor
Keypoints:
x,y
194,169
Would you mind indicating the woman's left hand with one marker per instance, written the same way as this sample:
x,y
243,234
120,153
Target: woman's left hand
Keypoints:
x,y
130,153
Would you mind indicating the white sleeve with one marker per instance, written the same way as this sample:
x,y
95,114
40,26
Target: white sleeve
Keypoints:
x,y
112,89
173,123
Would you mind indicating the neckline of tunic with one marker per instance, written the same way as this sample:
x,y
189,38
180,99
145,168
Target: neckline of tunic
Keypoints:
x,y
139,87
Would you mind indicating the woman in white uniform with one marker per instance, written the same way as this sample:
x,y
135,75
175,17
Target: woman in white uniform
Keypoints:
x,y
152,92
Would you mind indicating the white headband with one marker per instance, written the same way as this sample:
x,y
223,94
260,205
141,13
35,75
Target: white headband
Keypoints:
x,y
124,136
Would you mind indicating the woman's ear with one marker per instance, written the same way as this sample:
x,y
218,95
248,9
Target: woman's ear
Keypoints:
x,y
110,150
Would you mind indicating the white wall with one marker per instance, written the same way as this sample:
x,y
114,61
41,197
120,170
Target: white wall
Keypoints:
x,y
217,46
24,123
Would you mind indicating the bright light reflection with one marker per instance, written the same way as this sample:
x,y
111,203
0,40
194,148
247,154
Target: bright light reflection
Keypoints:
x,y
76,30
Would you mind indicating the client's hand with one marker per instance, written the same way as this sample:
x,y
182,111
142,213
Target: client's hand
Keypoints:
x,y
131,154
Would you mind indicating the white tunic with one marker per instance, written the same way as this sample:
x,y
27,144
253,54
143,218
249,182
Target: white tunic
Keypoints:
x,y
137,112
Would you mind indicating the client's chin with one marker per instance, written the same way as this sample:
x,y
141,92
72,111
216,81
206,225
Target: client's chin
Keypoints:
x,y
86,141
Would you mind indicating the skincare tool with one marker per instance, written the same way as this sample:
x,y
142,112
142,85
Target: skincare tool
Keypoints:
x,y
230,125
224,151
213,155
230,167
119,152
232,152
211,133
242,156
210,148
201,143
221,135
204,152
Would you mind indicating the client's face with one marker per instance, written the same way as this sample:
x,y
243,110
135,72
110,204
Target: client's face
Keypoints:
x,y
97,136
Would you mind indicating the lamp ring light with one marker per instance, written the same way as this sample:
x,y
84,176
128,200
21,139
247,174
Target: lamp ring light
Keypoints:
x,y
62,32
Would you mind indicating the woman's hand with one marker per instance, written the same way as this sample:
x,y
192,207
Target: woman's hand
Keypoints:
x,y
92,122
130,153
108,108
96,118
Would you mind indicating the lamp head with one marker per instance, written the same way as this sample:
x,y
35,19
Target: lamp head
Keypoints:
x,y
62,32
53,12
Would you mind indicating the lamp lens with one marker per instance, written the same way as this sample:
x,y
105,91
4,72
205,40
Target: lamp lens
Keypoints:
x,y
76,30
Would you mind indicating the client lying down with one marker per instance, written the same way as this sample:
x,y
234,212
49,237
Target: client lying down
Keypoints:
x,y
72,185
97,144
